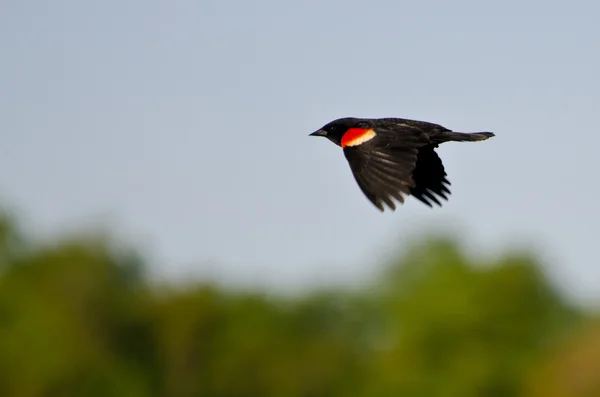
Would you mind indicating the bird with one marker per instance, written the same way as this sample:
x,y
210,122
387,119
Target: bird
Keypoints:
x,y
393,158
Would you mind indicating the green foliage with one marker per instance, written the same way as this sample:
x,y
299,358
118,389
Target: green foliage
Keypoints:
x,y
457,328
78,318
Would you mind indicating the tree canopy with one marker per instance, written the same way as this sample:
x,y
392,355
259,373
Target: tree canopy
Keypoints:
x,y
79,317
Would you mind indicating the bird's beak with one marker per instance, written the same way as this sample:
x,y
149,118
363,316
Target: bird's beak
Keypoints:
x,y
318,133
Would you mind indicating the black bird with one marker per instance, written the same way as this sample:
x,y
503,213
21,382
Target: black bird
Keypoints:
x,y
391,158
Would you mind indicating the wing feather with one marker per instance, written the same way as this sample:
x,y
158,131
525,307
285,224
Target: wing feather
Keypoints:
x,y
383,172
430,177
398,163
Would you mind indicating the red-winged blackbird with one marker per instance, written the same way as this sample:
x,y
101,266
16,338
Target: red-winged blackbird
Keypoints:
x,y
391,158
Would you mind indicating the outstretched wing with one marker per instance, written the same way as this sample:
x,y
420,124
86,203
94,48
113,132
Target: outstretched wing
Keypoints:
x,y
429,177
383,166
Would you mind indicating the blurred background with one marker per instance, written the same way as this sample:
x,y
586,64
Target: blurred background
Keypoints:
x,y
168,228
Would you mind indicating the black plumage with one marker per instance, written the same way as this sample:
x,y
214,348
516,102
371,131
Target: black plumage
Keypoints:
x,y
392,158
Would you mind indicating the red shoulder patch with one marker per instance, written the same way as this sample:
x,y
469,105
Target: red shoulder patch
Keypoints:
x,y
357,136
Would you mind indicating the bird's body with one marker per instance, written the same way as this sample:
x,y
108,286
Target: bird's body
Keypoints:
x,y
391,158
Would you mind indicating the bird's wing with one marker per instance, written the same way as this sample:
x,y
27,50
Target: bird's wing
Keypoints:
x,y
430,177
383,166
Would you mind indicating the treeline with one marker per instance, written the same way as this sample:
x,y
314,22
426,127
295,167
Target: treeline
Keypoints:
x,y
78,317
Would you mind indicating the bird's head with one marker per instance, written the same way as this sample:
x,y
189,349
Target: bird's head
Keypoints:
x,y
335,130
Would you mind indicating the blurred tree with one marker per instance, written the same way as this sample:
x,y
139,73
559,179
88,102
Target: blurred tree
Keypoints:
x,y
65,313
572,369
246,345
79,318
11,241
455,327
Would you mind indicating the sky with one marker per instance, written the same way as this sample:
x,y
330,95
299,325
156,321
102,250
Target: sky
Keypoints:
x,y
183,126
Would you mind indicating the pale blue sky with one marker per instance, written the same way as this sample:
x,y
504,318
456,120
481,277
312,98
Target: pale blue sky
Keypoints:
x,y
186,123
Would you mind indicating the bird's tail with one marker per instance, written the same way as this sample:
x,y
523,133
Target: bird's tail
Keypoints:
x,y
467,137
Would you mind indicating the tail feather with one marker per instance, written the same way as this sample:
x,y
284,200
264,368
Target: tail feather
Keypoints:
x,y
467,137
